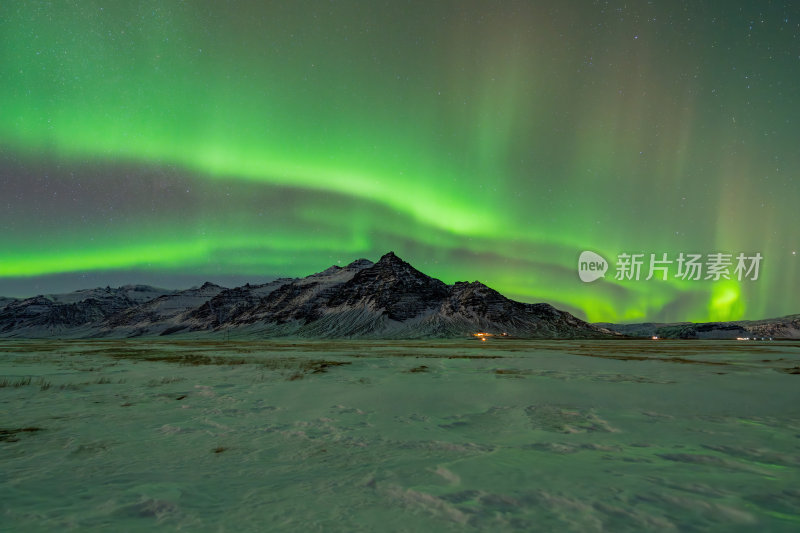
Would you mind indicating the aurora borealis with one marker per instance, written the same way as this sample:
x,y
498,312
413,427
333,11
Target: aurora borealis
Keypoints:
x,y
478,140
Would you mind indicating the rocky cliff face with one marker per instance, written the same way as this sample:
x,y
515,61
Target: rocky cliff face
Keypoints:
x,y
393,286
387,299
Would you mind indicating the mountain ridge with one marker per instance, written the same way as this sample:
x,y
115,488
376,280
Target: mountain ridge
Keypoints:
x,y
785,327
387,299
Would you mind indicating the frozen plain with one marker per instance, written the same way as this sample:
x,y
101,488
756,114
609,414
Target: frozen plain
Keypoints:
x,y
503,435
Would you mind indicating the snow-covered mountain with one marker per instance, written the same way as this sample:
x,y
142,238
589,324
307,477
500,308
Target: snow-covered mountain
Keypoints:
x,y
135,293
787,327
167,311
77,313
387,299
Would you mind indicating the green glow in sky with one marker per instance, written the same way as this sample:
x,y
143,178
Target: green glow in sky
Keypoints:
x,y
476,140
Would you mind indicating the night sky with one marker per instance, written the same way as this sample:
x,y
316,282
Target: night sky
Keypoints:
x,y
173,142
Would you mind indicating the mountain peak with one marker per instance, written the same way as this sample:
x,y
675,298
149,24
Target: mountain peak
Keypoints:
x,y
390,258
462,284
205,287
330,270
390,265
359,264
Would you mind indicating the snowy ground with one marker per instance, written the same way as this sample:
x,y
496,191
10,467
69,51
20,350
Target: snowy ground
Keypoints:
x,y
400,436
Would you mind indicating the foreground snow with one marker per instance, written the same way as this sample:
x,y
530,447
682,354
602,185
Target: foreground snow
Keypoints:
x,y
400,436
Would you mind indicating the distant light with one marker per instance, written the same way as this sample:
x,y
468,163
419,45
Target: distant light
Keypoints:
x,y
742,338
655,338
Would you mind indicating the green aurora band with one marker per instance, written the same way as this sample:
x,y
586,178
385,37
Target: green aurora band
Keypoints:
x,y
476,140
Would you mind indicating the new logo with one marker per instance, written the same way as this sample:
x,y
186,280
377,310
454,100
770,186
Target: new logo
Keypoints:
x,y
591,266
